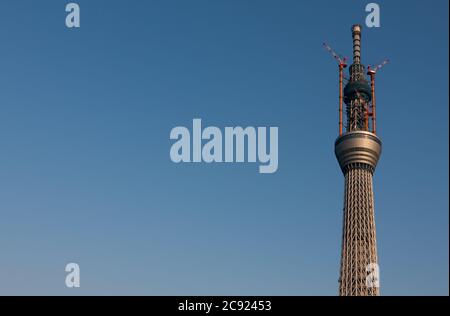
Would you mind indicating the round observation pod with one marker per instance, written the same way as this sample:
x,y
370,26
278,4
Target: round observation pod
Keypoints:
x,y
358,147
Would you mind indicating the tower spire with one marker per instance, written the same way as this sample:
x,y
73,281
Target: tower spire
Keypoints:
x,y
357,92
356,34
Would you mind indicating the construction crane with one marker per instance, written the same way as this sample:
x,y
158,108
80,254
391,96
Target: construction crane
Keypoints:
x,y
372,71
342,64
342,60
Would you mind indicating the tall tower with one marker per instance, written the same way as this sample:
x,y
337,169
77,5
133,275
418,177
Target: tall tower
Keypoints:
x,y
357,151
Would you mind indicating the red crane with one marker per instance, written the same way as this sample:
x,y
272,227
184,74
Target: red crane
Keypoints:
x,y
371,71
342,64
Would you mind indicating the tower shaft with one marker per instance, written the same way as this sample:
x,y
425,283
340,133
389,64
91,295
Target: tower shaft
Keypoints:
x,y
359,249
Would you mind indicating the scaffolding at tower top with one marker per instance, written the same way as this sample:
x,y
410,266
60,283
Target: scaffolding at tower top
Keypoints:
x,y
358,93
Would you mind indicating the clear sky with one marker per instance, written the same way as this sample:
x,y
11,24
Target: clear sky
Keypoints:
x,y
85,172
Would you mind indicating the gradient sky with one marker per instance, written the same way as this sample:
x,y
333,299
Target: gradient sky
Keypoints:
x,y
85,172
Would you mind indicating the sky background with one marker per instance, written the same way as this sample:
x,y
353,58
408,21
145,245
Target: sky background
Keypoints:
x,y
85,172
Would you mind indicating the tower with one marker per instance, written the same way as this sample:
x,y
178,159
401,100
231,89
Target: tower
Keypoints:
x,y
357,151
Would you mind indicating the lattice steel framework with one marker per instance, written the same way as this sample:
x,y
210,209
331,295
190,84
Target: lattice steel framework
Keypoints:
x,y
359,245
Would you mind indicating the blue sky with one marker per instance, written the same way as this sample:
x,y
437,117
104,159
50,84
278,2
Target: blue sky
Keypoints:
x,y
85,172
